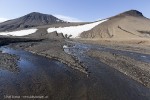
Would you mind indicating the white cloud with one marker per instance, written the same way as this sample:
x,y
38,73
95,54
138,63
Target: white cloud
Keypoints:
x,y
98,19
3,19
68,18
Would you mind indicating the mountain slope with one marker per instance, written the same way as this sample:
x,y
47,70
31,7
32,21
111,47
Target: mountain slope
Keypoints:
x,y
67,29
33,19
130,24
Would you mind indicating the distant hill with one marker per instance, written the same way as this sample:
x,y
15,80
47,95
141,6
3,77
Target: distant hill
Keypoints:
x,y
129,24
33,19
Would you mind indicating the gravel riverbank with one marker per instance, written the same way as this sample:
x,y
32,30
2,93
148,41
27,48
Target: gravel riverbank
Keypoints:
x,y
137,70
8,62
53,49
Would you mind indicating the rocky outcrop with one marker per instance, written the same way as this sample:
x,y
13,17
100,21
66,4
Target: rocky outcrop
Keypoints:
x,y
54,35
42,33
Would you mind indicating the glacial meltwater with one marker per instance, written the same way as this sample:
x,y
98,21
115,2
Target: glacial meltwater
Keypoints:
x,y
41,77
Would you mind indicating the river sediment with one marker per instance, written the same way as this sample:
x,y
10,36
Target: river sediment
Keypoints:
x,y
8,62
51,78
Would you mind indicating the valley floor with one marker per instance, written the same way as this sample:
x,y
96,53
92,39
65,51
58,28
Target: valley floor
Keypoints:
x,y
140,45
133,68
113,70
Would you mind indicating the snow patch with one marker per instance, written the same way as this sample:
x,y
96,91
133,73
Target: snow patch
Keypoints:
x,y
19,33
75,31
3,20
66,49
65,46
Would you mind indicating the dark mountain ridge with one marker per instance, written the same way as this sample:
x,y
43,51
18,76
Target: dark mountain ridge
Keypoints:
x,y
33,19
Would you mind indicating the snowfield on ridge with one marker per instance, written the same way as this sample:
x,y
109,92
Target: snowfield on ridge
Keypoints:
x,y
74,31
19,33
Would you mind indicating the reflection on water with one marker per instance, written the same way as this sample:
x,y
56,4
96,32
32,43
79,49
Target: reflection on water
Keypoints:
x,y
85,47
40,76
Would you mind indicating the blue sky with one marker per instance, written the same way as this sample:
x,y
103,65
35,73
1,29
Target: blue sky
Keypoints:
x,y
77,10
